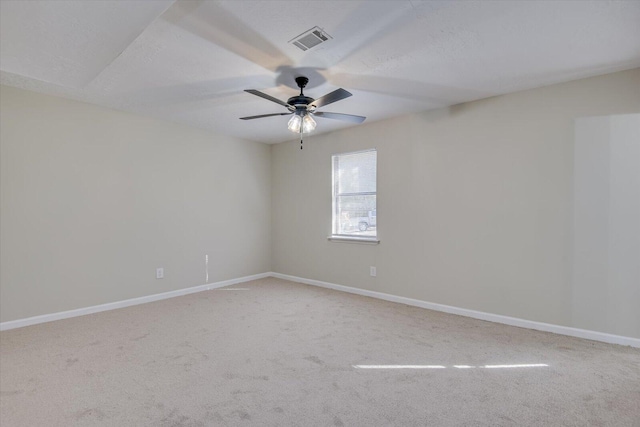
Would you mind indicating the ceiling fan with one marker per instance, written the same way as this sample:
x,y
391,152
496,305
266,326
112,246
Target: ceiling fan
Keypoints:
x,y
303,107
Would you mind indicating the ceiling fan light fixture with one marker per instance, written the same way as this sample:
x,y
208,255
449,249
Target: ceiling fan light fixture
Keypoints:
x,y
294,123
301,123
308,124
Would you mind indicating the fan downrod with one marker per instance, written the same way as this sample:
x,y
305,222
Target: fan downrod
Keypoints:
x,y
300,101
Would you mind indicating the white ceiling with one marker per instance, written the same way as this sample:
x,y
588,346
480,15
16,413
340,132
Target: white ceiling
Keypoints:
x,y
189,61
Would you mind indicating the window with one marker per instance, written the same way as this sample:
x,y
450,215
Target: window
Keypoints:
x,y
354,196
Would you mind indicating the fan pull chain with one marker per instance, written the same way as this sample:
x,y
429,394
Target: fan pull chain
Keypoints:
x,y
301,143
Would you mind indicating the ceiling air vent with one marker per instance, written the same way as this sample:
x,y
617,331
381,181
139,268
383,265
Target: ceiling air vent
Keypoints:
x,y
310,38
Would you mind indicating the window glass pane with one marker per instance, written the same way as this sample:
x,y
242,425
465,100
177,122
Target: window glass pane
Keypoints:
x,y
354,194
357,215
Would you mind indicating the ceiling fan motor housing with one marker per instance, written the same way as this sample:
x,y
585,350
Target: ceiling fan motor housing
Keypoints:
x,y
299,100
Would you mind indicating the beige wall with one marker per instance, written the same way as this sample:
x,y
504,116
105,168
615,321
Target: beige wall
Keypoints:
x,y
93,200
606,227
474,202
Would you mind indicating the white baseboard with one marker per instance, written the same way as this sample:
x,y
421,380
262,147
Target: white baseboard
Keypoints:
x,y
513,321
126,303
496,318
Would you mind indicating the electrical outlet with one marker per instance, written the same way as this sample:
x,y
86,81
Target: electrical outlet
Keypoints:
x,y
159,273
372,271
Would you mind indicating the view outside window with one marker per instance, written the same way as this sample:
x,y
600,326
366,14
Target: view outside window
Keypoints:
x,y
354,194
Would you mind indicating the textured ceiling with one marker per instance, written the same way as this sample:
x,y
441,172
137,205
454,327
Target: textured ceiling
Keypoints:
x,y
189,61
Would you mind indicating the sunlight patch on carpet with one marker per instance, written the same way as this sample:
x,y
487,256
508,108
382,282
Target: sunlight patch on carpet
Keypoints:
x,y
522,365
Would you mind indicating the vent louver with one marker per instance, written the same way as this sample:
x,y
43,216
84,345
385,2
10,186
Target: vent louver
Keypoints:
x,y
310,38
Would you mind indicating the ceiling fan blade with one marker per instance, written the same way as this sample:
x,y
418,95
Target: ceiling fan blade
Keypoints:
x,y
339,116
265,115
331,97
265,96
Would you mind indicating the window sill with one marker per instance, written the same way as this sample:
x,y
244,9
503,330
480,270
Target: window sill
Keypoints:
x,y
359,240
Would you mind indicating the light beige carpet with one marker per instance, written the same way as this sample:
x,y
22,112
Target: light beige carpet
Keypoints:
x,y
277,353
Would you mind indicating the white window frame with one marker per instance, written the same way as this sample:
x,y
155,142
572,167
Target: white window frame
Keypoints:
x,y
345,238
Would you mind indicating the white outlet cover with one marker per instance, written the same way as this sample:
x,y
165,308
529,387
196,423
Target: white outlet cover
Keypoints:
x,y
159,273
372,271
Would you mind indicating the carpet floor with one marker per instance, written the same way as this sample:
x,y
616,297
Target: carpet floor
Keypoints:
x,y
277,353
